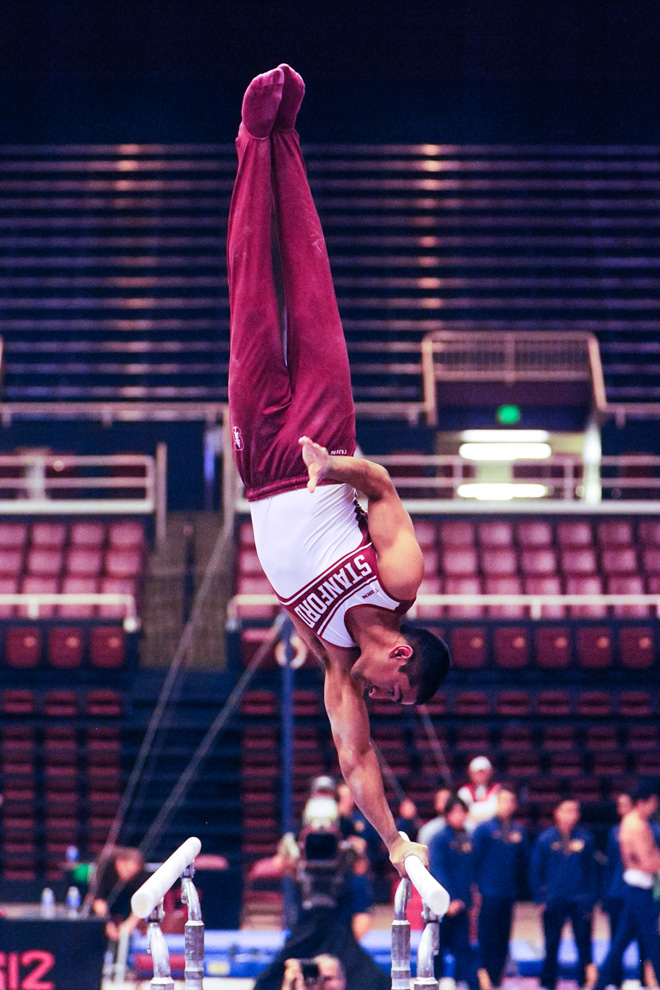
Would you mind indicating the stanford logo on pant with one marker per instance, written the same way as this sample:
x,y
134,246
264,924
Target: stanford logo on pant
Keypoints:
x,y
238,438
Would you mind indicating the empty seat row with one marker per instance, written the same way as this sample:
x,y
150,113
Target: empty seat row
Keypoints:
x,y
65,647
553,647
88,703
537,561
118,533
70,585
533,533
72,561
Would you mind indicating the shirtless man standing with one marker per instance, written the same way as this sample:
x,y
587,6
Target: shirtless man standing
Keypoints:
x,y
640,857
346,580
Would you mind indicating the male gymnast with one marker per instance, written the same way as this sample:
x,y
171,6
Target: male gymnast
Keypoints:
x,y
345,580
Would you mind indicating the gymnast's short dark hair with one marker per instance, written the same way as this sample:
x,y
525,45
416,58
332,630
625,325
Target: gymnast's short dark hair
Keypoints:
x,y
430,663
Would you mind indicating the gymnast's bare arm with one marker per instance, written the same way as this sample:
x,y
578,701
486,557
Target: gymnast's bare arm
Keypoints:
x,y
400,560
360,769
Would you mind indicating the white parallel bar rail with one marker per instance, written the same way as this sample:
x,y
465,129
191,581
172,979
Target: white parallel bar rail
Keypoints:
x,y
428,888
535,603
152,891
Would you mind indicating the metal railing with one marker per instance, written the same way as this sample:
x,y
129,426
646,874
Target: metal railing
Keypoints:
x,y
43,483
35,602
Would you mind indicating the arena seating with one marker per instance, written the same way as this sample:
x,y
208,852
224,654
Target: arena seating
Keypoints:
x,y
473,238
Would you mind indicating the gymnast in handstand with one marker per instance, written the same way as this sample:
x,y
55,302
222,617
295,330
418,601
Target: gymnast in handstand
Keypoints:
x,y
346,579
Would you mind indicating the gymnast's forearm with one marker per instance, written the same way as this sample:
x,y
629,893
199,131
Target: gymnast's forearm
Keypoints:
x,y
363,776
367,477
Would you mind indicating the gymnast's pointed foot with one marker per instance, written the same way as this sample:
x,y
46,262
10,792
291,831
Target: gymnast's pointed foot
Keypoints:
x,y
292,97
261,102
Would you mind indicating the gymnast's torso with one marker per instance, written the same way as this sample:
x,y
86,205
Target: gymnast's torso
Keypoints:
x,y
316,552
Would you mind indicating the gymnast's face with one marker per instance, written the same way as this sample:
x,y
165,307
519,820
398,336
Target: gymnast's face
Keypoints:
x,y
383,678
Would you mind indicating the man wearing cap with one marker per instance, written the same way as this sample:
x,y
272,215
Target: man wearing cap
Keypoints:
x,y
480,793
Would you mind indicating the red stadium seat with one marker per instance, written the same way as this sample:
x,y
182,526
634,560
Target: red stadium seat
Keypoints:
x,y
594,704
39,585
553,704
122,586
456,533
619,560
629,584
586,586
600,738
78,586
44,561
651,560
635,704
565,764
643,738
513,704
65,647
649,531
17,701
553,647
538,561
648,764
431,562
104,703
505,586
610,763
61,704
8,586
578,561
123,562
472,703
23,647
515,738
107,647
459,562
11,561
426,533
525,764
469,648
13,535
473,739
87,534
574,533
126,535
594,647
558,738
534,533
615,533
464,586
429,586
48,534
636,647
548,585
495,533
511,647
586,790
84,561
261,703
499,562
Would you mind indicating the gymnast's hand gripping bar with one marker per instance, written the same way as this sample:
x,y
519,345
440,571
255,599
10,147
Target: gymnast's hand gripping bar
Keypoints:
x,y
432,893
154,889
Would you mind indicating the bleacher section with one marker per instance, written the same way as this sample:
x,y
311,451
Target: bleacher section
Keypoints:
x,y
124,245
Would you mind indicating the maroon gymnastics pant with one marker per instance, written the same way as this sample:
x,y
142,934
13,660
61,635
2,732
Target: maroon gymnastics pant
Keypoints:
x,y
274,398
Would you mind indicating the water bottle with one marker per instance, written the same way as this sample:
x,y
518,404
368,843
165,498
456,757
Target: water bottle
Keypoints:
x,y
73,901
47,906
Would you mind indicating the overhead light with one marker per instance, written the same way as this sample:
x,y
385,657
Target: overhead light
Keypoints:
x,y
500,492
505,436
505,451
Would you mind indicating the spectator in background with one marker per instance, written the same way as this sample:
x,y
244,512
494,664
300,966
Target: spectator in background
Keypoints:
x,y
119,877
480,793
612,902
640,856
331,973
450,862
408,820
500,853
564,882
429,829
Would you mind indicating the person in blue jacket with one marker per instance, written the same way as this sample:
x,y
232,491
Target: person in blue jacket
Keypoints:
x,y
563,879
500,851
450,862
